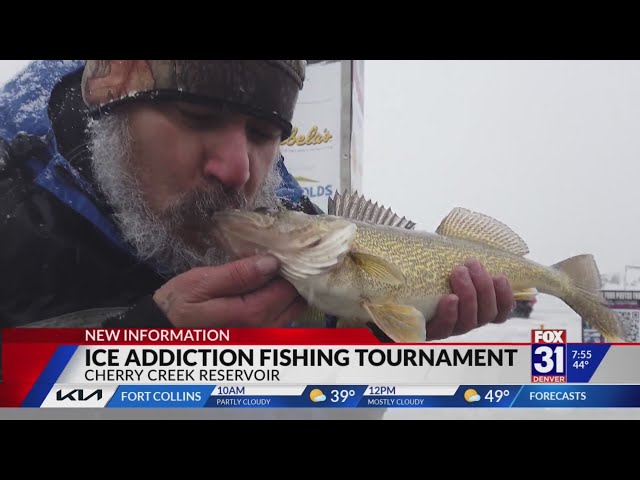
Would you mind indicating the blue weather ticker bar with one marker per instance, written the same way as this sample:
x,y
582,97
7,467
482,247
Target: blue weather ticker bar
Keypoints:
x,y
361,396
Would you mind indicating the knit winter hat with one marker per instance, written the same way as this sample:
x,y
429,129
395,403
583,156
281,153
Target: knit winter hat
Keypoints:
x,y
267,89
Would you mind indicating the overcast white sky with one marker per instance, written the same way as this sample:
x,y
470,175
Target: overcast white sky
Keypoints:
x,y
551,148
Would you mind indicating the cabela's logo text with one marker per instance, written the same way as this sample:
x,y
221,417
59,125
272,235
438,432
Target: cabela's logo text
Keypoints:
x,y
311,138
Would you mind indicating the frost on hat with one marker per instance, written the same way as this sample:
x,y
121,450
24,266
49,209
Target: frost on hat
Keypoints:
x,y
265,88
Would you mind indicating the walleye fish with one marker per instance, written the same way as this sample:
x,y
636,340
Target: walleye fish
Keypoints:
x,y
362,263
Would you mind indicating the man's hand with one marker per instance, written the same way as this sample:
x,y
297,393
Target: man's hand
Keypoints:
x,y
477,299
243,293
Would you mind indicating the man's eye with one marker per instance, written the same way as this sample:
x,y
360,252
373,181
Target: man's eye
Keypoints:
x,y
260,134
197,117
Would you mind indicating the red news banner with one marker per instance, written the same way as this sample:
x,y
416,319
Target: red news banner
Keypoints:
x,y
27,353
195,368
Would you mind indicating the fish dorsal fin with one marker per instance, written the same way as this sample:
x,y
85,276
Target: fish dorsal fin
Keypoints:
x,y
357,207
468,225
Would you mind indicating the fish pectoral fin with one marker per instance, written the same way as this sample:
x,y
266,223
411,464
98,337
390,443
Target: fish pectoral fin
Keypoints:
x,y
378,268
311,317
401,323
349,323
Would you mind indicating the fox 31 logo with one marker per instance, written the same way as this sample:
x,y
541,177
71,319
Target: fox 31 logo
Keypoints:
x,y
548,356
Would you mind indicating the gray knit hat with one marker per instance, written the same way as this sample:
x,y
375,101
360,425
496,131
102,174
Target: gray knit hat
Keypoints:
x,y
264,88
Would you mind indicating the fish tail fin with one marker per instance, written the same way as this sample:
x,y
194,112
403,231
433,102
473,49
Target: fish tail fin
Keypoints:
x,y
584,298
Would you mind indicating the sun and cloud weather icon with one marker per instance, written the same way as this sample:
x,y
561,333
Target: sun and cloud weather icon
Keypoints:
x,y
471,396
316,395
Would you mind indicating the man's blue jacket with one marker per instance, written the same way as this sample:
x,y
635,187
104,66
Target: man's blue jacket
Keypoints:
x,y
61,252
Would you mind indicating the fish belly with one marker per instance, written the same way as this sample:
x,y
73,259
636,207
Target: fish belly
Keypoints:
x,y
341,301
347,301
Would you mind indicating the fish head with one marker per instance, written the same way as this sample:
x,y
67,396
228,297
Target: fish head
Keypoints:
x,y
305,244
244,233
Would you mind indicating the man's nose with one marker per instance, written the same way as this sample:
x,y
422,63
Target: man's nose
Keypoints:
x,y
227,155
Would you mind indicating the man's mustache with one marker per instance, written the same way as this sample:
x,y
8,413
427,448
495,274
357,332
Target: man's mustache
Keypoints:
x,y
199,204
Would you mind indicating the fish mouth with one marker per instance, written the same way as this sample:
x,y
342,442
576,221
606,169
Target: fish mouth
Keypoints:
x,y
234,220
242,233
270,211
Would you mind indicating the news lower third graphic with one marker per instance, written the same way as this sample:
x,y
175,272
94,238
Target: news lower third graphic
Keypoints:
x,y
307,368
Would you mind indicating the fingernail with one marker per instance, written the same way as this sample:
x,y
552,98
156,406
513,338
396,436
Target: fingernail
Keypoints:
x,y
267,265
463,275
453,305
461,271
501,282
474,267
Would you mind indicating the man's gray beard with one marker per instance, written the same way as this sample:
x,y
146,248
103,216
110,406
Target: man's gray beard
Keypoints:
x,y
156,236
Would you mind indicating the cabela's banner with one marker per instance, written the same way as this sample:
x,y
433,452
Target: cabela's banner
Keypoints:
x,y
263,368
324,150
